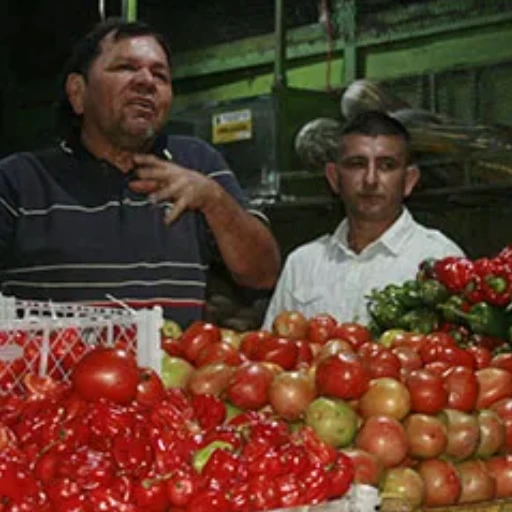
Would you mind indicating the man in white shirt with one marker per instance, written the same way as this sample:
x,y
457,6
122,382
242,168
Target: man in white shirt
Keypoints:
x,y
378,242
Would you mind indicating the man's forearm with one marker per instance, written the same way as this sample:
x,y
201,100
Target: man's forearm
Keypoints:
x,y
246,245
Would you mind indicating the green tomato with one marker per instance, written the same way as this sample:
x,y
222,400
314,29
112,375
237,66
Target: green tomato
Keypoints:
x,y
387,337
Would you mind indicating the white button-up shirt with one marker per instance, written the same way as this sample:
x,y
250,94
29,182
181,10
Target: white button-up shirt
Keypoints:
x,y
326,276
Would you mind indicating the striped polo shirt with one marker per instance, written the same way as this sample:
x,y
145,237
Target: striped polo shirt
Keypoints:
x,y
72,230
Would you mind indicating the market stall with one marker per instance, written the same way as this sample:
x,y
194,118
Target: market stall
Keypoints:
x,y
409,412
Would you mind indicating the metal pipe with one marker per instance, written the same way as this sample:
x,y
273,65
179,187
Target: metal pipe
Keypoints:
x,y
129,10
280,42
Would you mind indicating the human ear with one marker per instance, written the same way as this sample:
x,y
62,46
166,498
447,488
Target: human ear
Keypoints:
x,y
75,90
331,173
412,176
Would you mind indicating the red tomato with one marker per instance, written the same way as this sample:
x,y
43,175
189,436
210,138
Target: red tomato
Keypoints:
x,y
495,384
431,351
106,373
408,357
408,339
369,348
503,361
437,367
218,352
342,375
441,338
181,486
291,324
197,336
427,391
172,346
321,328
352,332
456,356
304,352
482,356
462,386
251,341
150,389
249,385
280,351
383,364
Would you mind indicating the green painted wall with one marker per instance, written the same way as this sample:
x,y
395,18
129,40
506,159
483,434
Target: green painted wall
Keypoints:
x,y
464,48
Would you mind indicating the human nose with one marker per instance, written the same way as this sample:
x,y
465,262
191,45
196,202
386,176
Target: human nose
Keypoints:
x,y
144,77
371,175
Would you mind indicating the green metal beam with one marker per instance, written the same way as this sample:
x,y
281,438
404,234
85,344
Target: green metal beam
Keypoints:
x,y
129,8
309,42
347,26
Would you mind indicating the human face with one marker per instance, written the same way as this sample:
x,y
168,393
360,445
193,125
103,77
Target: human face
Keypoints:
x,y
372,177
126,96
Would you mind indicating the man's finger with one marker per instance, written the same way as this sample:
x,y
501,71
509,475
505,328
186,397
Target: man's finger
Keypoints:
x,y
173,213
143,186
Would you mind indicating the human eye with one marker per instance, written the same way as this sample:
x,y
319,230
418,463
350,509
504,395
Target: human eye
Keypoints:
x,y
123,66
353,163
388,164
162,76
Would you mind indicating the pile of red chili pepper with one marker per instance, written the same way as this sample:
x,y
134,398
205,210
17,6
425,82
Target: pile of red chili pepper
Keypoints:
x,y
61,453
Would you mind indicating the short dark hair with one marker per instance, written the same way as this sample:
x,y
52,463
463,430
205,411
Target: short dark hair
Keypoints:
x,y
83,55
373,123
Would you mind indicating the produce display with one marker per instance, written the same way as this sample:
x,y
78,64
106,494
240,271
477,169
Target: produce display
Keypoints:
x,y
420,399
417,404
115,440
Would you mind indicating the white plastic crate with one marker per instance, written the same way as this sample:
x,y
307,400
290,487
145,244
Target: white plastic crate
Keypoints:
x,y
47,338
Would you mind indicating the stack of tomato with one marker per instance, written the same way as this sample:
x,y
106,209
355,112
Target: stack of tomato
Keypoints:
x,y
421,416
115,440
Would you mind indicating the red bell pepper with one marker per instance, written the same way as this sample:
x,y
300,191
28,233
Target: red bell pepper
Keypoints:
x,y
340,476
454,272
209,410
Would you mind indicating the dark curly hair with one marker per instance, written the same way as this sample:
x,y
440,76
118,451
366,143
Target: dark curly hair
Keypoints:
x,y
85,52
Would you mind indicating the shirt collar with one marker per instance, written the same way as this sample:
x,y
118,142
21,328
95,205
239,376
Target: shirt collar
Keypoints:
x,y
73,146
393,239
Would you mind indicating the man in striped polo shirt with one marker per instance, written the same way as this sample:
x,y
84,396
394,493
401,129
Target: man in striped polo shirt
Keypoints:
x,y
119,208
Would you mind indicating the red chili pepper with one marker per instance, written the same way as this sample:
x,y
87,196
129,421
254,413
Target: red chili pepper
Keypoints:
x,y
239,498
90,468
454,272
316,485
104,498
150,494
294,458
209,500
225,433
209,410
340,475
275,431
268,464
291,491
133,455
318,451
182,485
263,493
224,467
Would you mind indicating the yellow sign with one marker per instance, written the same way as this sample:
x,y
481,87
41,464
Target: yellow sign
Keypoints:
x,y
232,126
